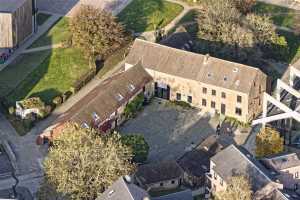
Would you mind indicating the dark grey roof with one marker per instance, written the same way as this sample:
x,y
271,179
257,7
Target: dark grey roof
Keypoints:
x,y
197,161
183,195
123,190
235,161
157,172
10,5
285,195
193,66
180,39
5,166
282,161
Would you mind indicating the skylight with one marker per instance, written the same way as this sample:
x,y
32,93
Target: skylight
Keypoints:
x,y
85,125
119,97
95,116
131,87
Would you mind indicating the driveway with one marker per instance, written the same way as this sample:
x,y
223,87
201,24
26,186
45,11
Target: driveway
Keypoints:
x,y
68,7
170,130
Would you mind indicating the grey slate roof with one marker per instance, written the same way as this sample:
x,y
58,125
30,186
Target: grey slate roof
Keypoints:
x,y
180,39
197,161
201,68
10,5
157,172
235,161
282,161
183,195
122,190
103,98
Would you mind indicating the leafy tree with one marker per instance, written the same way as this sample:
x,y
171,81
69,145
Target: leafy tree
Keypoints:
x,y
139,146
238,188
134,106
81,164
244,6
96,31
268,142
236,35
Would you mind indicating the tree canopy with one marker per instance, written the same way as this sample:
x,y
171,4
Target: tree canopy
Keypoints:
x,y
139,146
268,142
96,31
238,188
233,32
81,164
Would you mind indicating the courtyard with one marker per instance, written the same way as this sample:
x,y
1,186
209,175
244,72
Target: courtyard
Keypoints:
x,y
170,130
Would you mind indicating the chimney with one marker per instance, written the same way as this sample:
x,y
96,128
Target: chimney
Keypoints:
x,y
206,57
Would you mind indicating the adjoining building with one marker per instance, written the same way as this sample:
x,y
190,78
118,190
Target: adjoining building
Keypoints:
x,y
124,189
102,108
212,84
17,22
235,161
286,168
196,163
164,175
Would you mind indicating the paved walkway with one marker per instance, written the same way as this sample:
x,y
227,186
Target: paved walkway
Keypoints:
x,y
284,3
41,30
43,48
149,35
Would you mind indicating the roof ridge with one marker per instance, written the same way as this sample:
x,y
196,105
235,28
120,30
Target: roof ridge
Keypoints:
x,y
254,165
197,54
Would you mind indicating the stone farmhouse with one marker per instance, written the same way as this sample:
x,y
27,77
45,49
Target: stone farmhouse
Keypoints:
x,y
211,84
102,108
17,22
264,184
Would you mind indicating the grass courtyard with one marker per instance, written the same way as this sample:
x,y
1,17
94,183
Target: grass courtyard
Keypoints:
x,y
144,15
55,75
281,16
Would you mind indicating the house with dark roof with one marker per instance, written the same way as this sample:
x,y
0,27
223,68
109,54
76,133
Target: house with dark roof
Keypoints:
x,y
124,189
234,161
182,195
163,175
196,163
102,108
286,168
211,84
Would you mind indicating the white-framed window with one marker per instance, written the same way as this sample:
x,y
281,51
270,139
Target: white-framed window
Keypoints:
x,y
131,87
119,97
95,116
85,125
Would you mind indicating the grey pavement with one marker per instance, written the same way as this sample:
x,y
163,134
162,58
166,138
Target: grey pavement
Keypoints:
x,y
69,7
41,30
170,130
293,4
42,48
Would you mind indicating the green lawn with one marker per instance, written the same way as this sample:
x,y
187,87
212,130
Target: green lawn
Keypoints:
x,y
42,17
143,15
294,45
57,34
189,17
55,75
17,71
281,16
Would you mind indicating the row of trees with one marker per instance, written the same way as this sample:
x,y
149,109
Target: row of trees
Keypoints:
x,y
233,32
81,163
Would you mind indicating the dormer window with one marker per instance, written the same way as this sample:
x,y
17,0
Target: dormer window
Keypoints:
x,y
119,97
235,70
131,87
85,125
95,116
110,193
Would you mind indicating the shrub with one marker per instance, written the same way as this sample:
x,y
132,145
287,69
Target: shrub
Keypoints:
x,y
182,104
58,100
83,80
134,106
27,123
139,146
66,95
11,110
46,112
